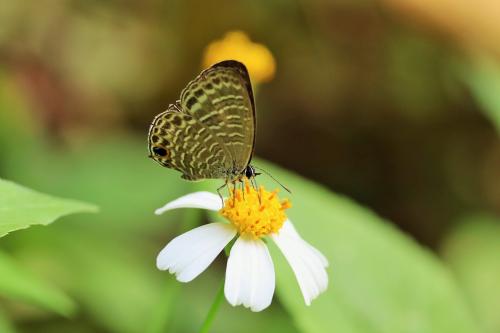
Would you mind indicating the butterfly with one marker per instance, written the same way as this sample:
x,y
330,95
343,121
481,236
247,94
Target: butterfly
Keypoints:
x,y
210,132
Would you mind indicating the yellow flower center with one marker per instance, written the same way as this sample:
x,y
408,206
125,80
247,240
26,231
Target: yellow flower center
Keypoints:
x,y
255,213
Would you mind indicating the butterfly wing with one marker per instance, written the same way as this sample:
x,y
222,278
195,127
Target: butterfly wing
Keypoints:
x,y
179,141
221,99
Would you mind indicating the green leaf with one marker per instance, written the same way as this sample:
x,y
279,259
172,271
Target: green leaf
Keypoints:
x,y
380,279
21,207
483,78
5,324
113,278
473,250
18,284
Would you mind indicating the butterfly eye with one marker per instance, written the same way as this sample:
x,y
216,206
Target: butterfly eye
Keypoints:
x,y
249,172
159,151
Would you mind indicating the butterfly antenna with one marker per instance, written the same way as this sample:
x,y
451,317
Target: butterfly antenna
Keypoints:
x,y
234,193
277,181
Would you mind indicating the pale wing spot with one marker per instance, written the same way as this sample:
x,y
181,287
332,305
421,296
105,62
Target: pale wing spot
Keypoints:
x,y
232,135
193,148
224,98
232,106
212,146
183,155
197,136
209,115
233,116
196,107
210,158
177,133
219,153
202,150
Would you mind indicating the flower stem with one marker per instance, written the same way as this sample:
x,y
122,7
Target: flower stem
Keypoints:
x,y
205,328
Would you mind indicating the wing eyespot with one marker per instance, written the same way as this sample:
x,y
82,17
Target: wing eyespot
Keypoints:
x,y
160,151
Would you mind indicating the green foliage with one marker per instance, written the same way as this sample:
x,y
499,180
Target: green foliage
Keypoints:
x,y
472,249
106,262
112,277
380,280
18,284
483,79
21,207
193,300
5,325
113,172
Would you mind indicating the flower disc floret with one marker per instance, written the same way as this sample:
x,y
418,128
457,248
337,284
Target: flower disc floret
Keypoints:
x,y
255,213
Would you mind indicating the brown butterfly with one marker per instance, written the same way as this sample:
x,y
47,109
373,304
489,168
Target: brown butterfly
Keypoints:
x,y
210,131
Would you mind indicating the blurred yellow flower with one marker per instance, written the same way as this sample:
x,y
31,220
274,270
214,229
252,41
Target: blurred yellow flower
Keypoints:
x,y
237,46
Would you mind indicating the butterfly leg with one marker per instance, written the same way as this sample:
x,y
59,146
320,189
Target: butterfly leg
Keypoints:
x,y
242,183
219,192
253,181
234,192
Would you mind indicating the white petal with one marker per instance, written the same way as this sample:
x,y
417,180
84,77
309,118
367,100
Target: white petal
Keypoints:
x,y
249,275
205,200
320,255
189,254
307,262
289,229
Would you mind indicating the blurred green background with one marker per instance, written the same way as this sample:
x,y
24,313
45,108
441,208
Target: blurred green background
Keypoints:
x,y
392,103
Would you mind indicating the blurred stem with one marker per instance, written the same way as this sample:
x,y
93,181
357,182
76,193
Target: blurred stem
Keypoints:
x,y
218,298
205,328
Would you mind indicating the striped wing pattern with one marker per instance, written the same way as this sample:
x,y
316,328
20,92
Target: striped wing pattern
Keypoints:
x,y
180,142
210,132
221,99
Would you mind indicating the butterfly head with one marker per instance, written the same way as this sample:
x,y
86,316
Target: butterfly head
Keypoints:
x,y
250,172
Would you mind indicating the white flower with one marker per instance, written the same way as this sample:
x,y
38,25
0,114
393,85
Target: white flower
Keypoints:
x,y
250,278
